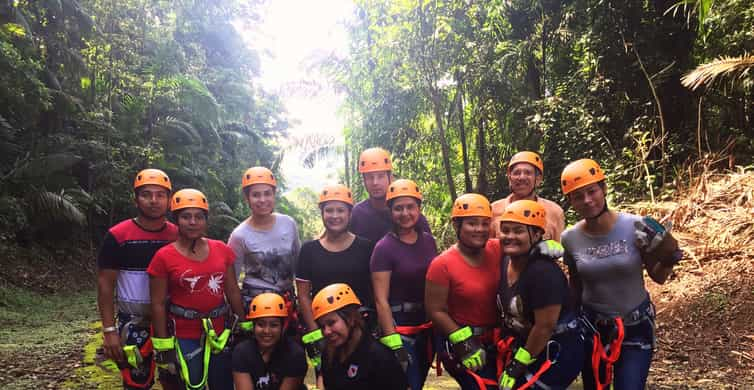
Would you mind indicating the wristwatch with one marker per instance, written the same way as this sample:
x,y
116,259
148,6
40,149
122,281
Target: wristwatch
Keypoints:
x,y
109,329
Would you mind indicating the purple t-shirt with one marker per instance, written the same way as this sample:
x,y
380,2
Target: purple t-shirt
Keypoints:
x,y
373,224
408,265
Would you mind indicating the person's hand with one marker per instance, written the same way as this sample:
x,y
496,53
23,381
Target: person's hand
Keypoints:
x,y
314,343
395,343
112,347
467,349
548,248
516,369
655,240
164,354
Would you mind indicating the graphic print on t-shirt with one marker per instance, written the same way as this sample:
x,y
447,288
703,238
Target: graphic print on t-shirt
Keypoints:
x,y
198,283
269,381
610,249
270,266
513,316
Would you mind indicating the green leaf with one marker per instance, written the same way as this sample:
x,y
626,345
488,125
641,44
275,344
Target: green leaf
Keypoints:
x,y
14,29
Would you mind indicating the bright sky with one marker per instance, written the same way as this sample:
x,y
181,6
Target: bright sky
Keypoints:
x,y
292,35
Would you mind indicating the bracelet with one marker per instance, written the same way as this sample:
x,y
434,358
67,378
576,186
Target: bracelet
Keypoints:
x,y
109,329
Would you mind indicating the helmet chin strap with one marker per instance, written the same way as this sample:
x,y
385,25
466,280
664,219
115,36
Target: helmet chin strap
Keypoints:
x,y
603,211
193,245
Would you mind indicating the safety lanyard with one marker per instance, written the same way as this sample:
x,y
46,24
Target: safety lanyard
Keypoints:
x,y
135,357
599,355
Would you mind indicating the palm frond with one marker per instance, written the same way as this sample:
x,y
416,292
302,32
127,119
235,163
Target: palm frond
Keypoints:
x,y
178,132
48,209
221,208
46,165
734,68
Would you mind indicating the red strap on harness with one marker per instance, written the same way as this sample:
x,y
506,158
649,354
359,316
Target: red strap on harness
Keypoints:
x,y
414,330
542,369
599,356
481,382
145,351
504,353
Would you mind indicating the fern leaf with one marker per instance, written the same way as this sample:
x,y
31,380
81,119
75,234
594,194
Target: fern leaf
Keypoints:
x,y
48,209
729,67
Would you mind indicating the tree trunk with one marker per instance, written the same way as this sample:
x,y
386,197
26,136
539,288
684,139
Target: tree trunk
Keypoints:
x,y
443,144
481,146
462,131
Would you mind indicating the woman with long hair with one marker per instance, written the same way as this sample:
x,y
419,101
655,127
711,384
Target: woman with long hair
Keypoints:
x,y
399,265
352,359
195,276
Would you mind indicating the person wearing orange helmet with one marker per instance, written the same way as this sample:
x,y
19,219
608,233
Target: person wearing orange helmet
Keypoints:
x,y
399,264
541,332
195,276
461,285
606,254
352,359
338,256
525,173
269,360
122,263
371,217
266,244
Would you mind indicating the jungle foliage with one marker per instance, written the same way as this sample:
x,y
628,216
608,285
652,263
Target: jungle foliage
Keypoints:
x,y
92,91
454,88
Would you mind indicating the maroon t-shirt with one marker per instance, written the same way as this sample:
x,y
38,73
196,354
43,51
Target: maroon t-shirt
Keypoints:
x,y
408,265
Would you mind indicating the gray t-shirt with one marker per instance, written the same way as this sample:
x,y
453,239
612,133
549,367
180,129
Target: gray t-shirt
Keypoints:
x,y
266,256
609,266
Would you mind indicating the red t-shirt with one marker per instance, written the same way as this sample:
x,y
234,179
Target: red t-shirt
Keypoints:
x,y
192,284
471,290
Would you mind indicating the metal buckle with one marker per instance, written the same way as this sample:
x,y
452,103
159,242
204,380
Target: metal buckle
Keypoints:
x,y
547,349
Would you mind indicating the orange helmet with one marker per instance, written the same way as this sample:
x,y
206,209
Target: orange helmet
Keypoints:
x,y
403,187
335,192
187,198
267,305
527,212
374,160
152,176
333,297
527,157
580,173
258,175
471,205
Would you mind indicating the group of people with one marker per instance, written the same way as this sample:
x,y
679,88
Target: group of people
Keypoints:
x,y
370,303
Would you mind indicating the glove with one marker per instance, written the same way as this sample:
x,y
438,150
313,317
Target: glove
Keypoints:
x,y
133,355
655,241
548,248
314,343
395,343
244,328
467,349
164,354
516,369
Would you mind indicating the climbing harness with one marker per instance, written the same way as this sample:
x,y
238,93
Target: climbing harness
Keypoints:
x,y
210,342
135,356
412,331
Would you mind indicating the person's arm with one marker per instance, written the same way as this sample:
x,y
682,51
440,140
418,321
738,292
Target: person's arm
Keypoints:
x,y
436,304
381,287
574,281
233,293
158,292
235,242
658,272
304,288
559,224
290,383
545,320
242,381
106,279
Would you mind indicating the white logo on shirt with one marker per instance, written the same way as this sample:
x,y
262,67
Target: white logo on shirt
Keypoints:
x,y
607,250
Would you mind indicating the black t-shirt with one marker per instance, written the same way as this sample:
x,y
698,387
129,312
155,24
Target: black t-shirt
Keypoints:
x,y
351,266
541,284
287,361
371,366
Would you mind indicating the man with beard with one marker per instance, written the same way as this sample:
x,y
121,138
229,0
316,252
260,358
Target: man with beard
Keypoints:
x,y
124,257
